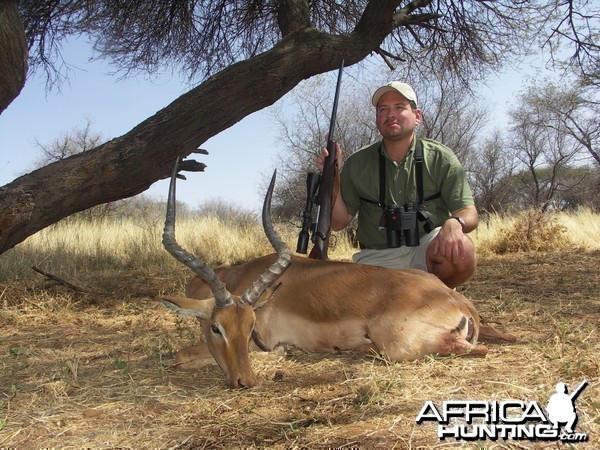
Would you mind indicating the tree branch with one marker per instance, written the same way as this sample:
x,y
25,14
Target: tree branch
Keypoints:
x,y
13,48
128,165
292,15
385,55
60,280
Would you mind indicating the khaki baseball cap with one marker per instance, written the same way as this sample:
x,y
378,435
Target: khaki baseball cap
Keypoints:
x,y
404,89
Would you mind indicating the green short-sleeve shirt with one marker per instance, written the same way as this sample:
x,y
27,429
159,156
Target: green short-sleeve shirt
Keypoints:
x,y
442,174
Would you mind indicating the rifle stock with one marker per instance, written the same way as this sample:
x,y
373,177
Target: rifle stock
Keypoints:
x,y
325,201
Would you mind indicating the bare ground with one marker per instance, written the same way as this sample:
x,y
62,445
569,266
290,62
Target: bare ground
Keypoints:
x,y
84,370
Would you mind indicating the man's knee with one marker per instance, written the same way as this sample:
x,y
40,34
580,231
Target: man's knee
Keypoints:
x,y
453,273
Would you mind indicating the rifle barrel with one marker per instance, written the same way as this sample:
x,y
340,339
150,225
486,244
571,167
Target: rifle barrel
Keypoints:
x,y
335,101
577,391
322,228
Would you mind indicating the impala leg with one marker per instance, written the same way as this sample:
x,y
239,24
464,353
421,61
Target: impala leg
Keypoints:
x,y
369,349
458,341
192,358
488,333
412,339
463,348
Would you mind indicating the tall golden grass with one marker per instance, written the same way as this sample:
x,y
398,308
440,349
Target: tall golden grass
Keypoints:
x,y
78,247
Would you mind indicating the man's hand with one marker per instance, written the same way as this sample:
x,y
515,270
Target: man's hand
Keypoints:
x,y
451,254
324,153
451,242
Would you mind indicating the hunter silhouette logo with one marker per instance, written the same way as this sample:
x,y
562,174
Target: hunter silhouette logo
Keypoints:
x,y
511,419
561,406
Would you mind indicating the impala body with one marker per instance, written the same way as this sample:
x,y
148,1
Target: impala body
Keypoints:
x,y
328,306
320,306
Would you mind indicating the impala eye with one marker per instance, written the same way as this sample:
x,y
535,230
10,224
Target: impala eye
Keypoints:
x,y
215,329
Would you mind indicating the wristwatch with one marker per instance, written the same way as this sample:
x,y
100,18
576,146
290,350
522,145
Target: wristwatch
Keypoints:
x,y
462,222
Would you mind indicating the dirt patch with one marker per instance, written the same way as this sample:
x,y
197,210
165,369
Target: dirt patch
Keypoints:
x,y
95,371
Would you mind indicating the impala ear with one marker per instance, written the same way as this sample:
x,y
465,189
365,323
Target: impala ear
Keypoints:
x,y
266,296
190,306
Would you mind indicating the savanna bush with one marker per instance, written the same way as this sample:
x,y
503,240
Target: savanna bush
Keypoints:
x,y
530,231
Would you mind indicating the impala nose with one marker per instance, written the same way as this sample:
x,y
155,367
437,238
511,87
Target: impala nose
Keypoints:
x,y
247,382
242,382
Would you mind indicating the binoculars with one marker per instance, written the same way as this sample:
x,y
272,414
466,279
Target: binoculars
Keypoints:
x,y
400,222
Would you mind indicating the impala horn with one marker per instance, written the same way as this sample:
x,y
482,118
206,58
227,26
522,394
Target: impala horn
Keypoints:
x,y
208,275
284,256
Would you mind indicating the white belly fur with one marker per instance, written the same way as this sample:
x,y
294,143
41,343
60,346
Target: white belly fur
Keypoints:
x,y
314,336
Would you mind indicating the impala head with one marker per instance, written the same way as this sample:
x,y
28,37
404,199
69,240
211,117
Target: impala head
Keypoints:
x,y
227,320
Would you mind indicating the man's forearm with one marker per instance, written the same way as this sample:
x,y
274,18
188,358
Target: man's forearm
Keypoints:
x,y
339,216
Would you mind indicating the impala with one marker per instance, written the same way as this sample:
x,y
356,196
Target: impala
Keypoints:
x,y
320,306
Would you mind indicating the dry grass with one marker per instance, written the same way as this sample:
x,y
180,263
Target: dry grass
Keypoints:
x,y
531,231
94,370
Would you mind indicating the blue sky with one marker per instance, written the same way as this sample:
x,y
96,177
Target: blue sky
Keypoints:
x,y
240,157
114,107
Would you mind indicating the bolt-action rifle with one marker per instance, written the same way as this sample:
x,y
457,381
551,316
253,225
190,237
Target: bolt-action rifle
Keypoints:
x,y
327,185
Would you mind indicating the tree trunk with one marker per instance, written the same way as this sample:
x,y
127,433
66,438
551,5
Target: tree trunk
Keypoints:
x,y
13,53
129,164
